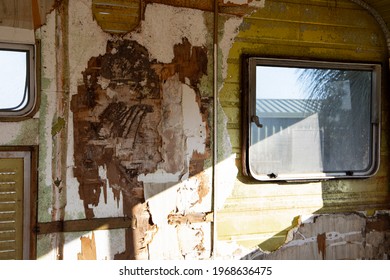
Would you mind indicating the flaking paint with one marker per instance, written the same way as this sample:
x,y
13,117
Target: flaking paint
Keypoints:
x,y
183,184
335,236
184,84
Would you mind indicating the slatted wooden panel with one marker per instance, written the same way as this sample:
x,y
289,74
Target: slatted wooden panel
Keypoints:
x,y
261,213
11,208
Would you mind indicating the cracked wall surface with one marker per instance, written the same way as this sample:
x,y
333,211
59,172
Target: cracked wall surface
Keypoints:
x,y
125,135
130,121
336,237
138,137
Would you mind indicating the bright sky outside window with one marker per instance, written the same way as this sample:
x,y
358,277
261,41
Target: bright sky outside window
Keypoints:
x,y
13,73
311,120
17,89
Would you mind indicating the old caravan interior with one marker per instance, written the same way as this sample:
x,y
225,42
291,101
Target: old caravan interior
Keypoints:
x,y
194,130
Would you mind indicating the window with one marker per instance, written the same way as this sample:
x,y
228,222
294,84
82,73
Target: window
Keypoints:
x,y
17,80
15,205
310,120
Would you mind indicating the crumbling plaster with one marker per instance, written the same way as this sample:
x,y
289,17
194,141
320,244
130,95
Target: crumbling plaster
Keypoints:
x,y
335,236
158,24
82,31
185,119
165,189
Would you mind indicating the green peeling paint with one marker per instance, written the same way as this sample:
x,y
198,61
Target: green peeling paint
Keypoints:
x,y
57,126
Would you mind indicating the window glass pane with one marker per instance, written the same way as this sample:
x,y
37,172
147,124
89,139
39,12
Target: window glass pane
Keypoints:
x,y
13,80
313,121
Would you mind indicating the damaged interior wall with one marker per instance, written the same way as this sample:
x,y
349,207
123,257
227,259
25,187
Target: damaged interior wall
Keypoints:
x,y
335,236
263,215
125,131
137,132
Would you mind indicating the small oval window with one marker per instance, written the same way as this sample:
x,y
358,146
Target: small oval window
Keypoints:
x,y
17,80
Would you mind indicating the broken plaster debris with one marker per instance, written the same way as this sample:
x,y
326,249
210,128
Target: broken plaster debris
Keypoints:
x,y
356,237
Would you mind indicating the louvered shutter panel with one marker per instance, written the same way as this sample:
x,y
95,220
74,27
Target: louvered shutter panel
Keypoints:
x,y
11,208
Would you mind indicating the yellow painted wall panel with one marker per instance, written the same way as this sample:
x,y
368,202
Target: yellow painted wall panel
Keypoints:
x,y
232,92
235,142
233,114
312,29
309,12
270,224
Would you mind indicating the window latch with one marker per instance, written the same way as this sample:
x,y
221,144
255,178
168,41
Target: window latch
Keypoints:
x,y
256,120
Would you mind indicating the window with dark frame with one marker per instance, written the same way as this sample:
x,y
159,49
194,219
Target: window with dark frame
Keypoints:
x,y
309,120
18,97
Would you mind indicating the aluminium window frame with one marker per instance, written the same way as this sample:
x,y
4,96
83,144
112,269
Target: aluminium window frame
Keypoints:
x,y
248,116
31,81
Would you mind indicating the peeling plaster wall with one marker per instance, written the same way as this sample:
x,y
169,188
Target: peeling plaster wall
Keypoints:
x,y
138,134
137,129
158,23
337,236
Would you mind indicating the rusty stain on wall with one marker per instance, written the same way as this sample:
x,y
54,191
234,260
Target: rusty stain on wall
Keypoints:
x,y
88,248
119,114
321,244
